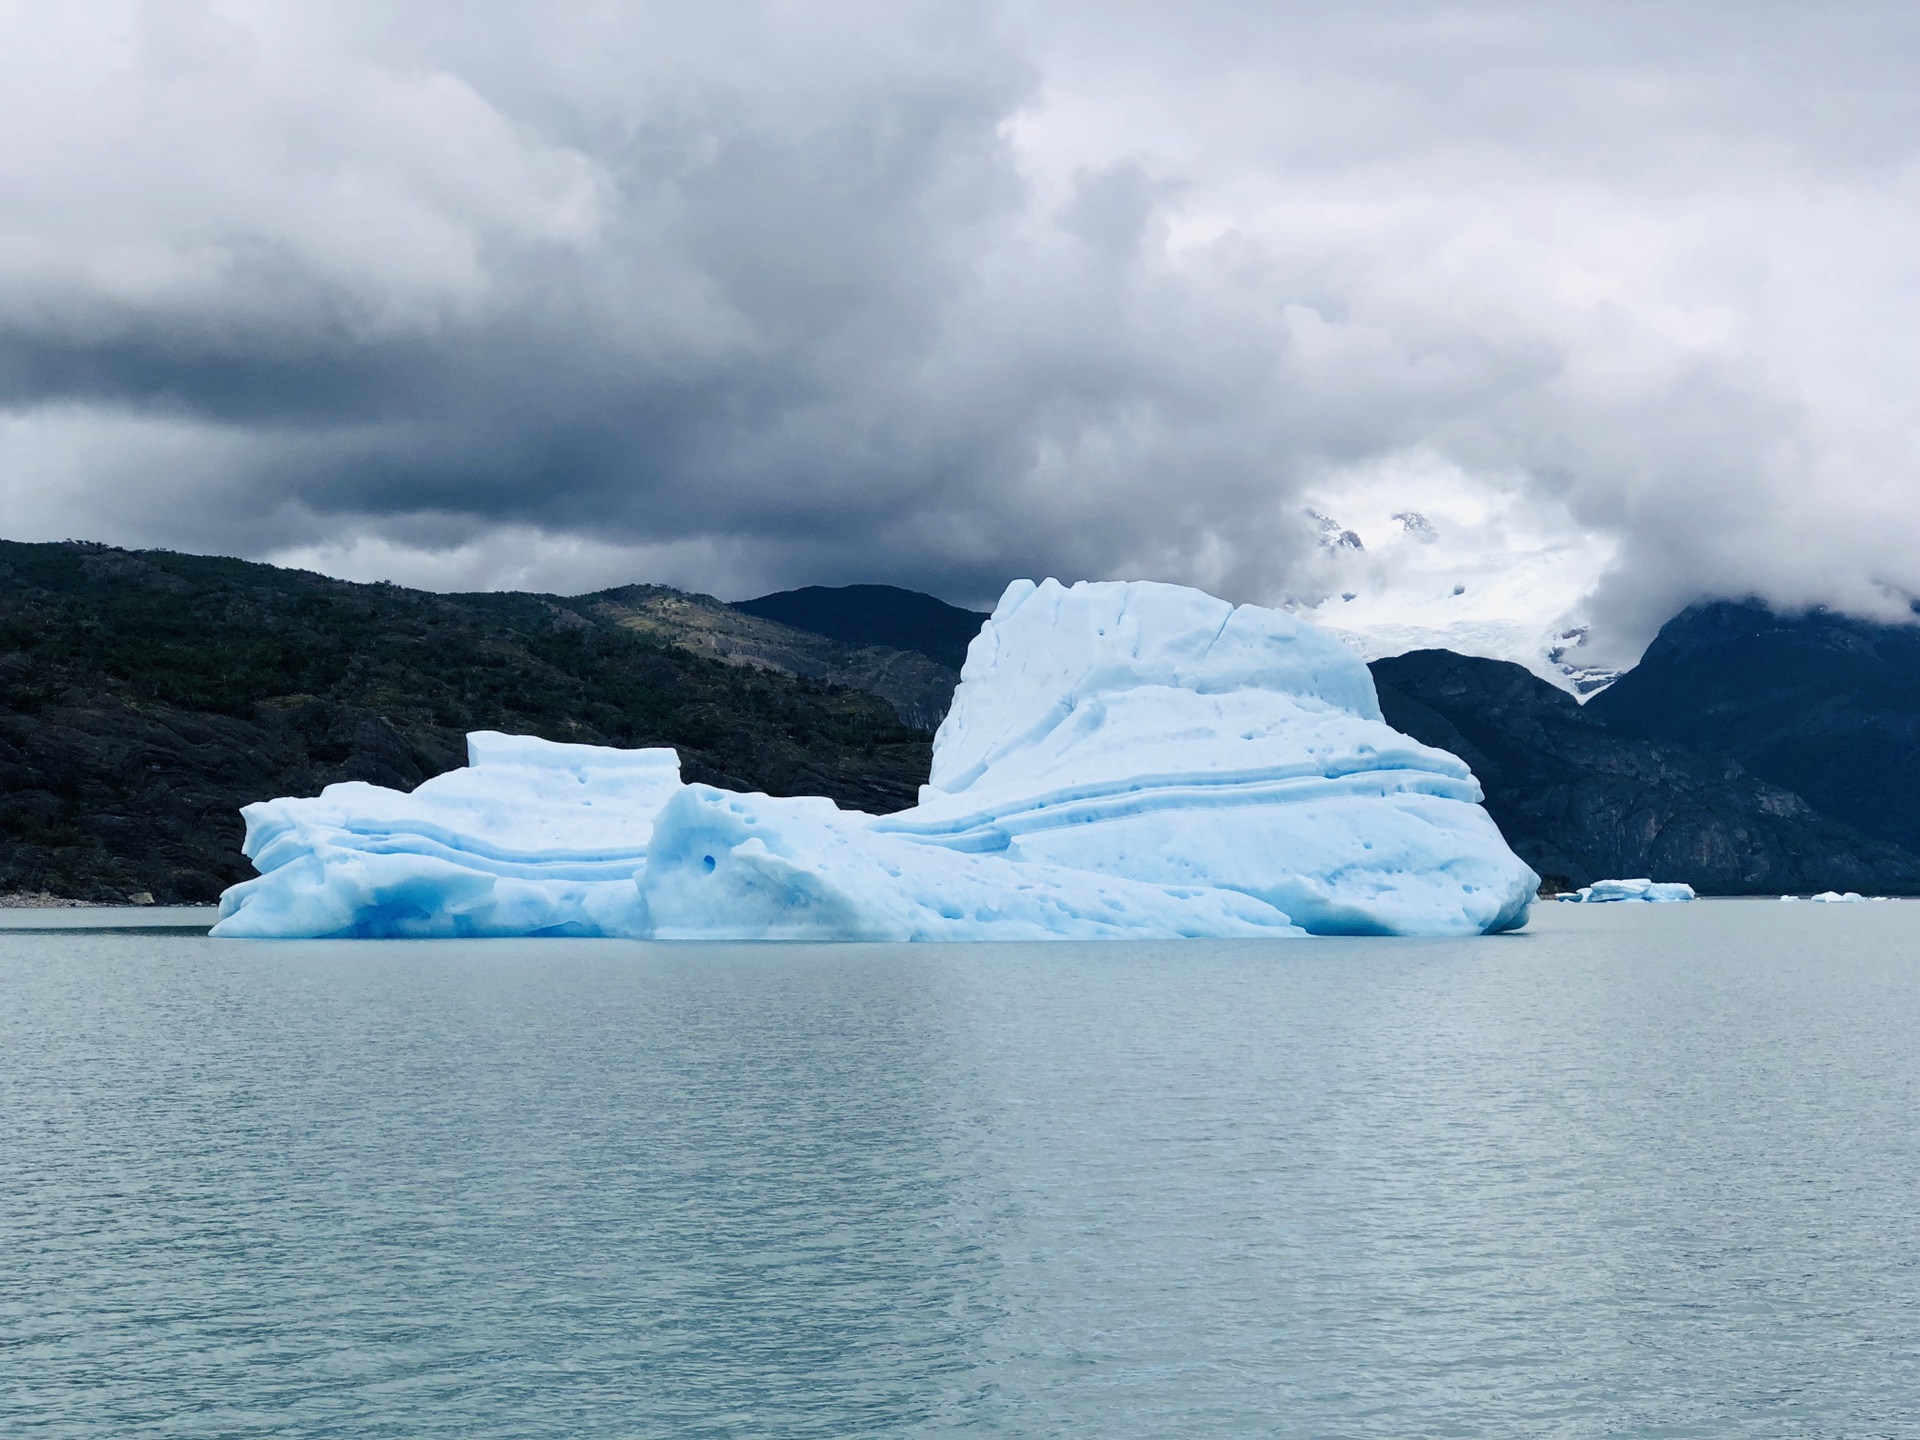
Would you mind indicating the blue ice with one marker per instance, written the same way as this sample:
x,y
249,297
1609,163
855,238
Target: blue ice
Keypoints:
x,y
1122,759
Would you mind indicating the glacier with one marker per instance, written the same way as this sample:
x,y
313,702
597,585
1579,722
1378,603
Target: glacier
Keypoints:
x,y
1122,759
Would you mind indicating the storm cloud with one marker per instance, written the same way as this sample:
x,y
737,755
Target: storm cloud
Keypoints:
x,y
737,295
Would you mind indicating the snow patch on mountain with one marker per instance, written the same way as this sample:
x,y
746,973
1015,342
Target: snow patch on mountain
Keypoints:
x,y
1421,556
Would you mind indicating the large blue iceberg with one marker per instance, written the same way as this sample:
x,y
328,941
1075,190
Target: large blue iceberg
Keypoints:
x,y
1122,759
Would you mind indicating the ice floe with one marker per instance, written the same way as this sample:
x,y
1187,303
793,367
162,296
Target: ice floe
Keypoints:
x,y
1606,892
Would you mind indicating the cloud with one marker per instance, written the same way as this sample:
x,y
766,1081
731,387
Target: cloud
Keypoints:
x,y
740,295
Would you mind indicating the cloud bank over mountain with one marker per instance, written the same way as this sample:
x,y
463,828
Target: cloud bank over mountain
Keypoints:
x,y
741,295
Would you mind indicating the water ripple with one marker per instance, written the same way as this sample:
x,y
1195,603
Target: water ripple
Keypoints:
x,y
1630,1173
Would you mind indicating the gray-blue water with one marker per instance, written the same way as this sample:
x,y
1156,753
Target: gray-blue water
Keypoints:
x,y
1638,1171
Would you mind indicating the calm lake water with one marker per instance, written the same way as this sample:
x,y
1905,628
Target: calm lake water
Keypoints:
x,y
1647,1171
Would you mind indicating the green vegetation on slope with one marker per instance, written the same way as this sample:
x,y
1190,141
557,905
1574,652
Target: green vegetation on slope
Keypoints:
x,y
145,696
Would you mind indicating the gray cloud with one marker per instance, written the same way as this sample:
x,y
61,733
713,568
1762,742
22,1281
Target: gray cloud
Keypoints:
x,y
739,296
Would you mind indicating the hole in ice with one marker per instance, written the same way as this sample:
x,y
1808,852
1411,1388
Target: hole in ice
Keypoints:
x,y
707,861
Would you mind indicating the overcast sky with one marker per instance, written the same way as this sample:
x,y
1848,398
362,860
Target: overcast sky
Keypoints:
x,y
738,296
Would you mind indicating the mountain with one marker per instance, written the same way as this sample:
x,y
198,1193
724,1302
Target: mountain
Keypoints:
x,y
144,697
876,615
918,687
1580,800
1820,704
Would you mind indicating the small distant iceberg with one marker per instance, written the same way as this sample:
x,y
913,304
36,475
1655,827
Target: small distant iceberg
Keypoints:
x,y
1835,897
1122,759
1606,892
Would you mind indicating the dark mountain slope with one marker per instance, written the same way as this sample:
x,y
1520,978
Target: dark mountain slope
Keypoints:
x,y
1580,801
145,697
920,689
875,615
1824,705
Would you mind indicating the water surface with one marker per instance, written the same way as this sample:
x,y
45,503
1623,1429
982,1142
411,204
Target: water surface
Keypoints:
x,y
1641,1171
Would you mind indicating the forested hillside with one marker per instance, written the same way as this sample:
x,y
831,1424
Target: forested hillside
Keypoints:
x,y
144,697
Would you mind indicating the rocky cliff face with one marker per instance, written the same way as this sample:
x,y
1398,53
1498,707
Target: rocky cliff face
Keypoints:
x,y
1580,801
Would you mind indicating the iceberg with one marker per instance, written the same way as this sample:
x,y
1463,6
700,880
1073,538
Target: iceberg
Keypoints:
x,y
1835,897
1605,892
1122,759
534,837
752,867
